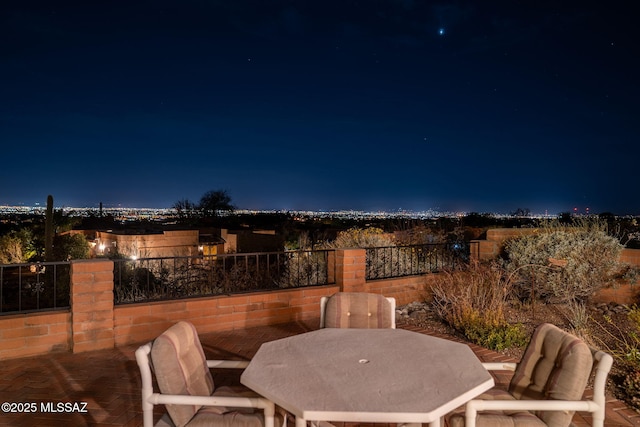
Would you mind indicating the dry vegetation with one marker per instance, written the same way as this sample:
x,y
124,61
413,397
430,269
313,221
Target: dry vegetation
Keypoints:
x,y
613,332
550,276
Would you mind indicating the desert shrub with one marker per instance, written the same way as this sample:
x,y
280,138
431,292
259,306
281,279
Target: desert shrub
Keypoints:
x,y
11,250
70,246
17,247
304,268
588,255
474,303
634,316
501,337
629,355
624,346
420,235
579,317
631,387
386,258
361,238
631,360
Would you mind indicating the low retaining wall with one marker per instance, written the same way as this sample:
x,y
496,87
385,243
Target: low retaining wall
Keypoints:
x,y
36,333
136,323
94,322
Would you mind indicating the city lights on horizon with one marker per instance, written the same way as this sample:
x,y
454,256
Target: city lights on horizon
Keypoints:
x,y
130,213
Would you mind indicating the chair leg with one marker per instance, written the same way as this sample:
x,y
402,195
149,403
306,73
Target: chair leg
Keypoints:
x,y
147,408
470,417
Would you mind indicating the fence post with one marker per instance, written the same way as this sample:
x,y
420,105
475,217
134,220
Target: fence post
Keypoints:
x,y
350,269
91,292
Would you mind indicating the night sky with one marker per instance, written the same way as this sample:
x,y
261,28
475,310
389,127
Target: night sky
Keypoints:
x,y
479,106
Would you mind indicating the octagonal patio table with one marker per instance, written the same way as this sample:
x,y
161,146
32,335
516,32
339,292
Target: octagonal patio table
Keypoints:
x,y
367,375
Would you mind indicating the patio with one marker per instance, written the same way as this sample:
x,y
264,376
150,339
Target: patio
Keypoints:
x,y
108,381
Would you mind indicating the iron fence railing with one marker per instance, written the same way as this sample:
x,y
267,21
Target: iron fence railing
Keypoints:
x,y
399,261
41,286
151,279
45,286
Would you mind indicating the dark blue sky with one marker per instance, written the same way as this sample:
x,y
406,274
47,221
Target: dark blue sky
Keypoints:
x,y
464,105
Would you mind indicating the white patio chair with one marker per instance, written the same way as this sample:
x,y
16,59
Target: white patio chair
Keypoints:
x,y
186,385
357,310
547,386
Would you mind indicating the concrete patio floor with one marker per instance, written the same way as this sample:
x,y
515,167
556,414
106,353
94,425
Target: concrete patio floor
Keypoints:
x,y
108,381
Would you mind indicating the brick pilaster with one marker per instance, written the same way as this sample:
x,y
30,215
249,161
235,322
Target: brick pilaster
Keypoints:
x,y
350,269
91,305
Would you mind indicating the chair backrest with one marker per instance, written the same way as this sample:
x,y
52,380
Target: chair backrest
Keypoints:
x,y
357,310
181,368
555,366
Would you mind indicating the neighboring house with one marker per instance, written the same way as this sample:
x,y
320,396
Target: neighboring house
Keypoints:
x,y
148,244
243,241
183,243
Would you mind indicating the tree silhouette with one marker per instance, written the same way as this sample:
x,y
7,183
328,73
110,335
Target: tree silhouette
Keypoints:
x,y
215,201
185,209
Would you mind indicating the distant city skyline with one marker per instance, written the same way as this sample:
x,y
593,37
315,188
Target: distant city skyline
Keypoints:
x,y
460,106
582,210
136,211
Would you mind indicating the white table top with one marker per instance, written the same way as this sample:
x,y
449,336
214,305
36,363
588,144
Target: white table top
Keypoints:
x,y
383,375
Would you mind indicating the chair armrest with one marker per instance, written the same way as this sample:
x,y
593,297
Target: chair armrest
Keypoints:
x,y
228,401
533,405
474,406
233,364
500,366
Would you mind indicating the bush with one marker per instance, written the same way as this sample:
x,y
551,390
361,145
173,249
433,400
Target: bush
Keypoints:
x,y
631,360
498,338
361,238
623,343
631,386
588,261
473,302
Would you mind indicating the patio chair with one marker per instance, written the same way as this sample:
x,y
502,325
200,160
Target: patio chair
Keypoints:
x,y
187,388
547,386
357,310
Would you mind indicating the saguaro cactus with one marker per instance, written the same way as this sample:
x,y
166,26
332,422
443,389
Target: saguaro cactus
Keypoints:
x,y
48,230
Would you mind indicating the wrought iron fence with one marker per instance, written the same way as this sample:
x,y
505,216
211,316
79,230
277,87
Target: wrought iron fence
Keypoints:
x,y
399,261
151,279
42,286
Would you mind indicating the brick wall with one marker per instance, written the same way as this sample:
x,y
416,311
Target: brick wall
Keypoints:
x,y
350,269
630,256
494,243
95,323
141,322
29,335
403,289
91,304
